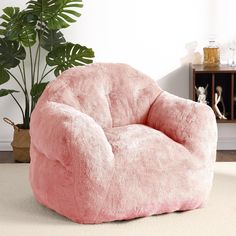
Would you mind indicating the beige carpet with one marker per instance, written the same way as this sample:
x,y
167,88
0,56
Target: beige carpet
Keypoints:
x,y
21,215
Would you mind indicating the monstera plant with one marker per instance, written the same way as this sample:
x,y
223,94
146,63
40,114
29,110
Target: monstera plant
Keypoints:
x,y
31,41
24,34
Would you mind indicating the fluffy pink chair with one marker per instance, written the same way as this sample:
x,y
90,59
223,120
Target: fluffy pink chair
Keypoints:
x,y
108,144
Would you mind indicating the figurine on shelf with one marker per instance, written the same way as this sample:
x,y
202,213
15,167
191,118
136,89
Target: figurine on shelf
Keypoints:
x,y
201,94
219,99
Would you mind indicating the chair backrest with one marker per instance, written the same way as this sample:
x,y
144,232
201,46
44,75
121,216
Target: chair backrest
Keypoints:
x,y
112,94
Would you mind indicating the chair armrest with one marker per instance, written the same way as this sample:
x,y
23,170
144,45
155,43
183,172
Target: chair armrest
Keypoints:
x,y
59,130
62,134
189,123
67,136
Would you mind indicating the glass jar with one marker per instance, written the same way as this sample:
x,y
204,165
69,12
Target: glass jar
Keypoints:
x,y
211,55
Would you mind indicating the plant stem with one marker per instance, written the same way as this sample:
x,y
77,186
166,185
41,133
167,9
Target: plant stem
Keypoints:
x,y
23,65
19,106
16,81
39,55
31,66
42,29
27,112
46,74
45,67
21,72
31,61
36,58
27,105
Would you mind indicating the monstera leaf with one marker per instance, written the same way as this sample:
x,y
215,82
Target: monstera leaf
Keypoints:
x,y
11,52
9,14
4,76
56,13
22,28
50,38
69,55
37,90
5,92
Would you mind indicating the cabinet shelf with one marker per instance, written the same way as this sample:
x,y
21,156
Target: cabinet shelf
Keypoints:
x,y
223,76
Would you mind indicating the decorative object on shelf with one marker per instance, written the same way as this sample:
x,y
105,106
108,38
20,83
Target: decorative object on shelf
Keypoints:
x,y
225,53
192,55
39,25
232,49
233,64
211,55
219,99
201,94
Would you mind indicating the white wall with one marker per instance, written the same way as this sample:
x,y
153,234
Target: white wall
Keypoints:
x,y
157,37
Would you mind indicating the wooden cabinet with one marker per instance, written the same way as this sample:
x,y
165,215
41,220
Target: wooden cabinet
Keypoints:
x,y
224,76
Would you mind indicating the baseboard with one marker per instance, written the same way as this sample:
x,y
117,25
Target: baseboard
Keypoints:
x,y
224,143
5,145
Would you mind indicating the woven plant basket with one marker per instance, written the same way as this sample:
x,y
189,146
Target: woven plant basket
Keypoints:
x,y
20,143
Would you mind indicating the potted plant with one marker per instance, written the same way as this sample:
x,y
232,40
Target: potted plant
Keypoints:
x,y
24,35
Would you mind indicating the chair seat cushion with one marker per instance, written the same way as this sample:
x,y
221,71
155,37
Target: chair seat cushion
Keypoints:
x,y
152,174
147,143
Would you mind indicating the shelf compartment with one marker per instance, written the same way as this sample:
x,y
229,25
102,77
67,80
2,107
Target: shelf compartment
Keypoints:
x,y
224,76
224,81
202,80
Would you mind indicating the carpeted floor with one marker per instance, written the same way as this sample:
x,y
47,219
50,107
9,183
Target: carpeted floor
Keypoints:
x,y
21,215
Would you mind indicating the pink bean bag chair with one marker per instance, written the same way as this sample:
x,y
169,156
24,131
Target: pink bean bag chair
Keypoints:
x,y
108,144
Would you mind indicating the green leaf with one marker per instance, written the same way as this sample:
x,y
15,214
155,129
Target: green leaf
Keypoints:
x,y
50,38
22,28
9,14
11,11
11,52
4,76
28,36
37,90
69,55
5,92
19,26
57,14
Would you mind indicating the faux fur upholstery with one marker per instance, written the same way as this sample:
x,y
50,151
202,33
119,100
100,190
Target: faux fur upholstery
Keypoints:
x,y
108,144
